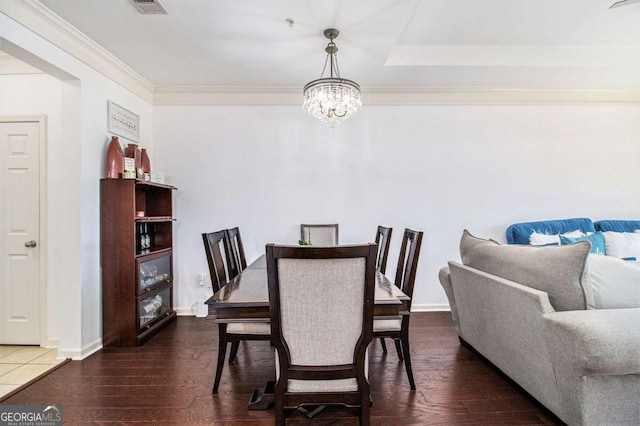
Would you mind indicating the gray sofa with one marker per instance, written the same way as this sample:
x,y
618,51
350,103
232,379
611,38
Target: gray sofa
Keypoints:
x,y
525,310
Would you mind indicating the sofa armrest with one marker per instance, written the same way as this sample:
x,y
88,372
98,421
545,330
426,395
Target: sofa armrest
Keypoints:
x,y
594,342
502,320
445,280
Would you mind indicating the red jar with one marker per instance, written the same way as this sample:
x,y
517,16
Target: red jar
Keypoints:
x,y
115,159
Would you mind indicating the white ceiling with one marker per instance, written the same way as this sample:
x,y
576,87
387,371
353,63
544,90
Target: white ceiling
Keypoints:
x,y
383,43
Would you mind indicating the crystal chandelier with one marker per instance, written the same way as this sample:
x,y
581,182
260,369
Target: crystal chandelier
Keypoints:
x,y
332,99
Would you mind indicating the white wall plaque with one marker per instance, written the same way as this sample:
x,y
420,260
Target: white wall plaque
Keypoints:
x,y
123,122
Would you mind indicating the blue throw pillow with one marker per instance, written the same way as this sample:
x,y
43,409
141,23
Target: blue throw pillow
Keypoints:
x,y
596,239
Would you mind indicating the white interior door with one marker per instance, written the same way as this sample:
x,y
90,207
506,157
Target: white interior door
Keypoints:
x,y
19,233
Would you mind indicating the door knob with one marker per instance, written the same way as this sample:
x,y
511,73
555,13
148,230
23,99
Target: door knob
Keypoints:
x,y
31,244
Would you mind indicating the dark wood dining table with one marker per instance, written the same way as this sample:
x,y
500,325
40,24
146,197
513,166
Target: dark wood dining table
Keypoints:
x,y
246,298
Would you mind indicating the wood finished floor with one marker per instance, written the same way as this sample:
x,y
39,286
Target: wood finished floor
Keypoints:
x,y
168,381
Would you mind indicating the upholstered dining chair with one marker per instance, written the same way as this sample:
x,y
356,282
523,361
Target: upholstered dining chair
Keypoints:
x,y
398,328
321,308
234,249
232,332
320,235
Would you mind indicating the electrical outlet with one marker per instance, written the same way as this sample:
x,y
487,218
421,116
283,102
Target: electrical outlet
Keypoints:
x,y
201,280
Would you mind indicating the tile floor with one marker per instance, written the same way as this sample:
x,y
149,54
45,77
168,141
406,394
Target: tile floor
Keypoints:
x,y
19,364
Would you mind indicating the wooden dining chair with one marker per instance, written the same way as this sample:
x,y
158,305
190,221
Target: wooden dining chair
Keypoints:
x,y
232,332
234,249
321,331
213,249
398,328
319,235
383,239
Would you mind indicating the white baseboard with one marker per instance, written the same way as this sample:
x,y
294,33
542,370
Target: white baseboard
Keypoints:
x,y
52,343
184,311
436,307
78,355
198,309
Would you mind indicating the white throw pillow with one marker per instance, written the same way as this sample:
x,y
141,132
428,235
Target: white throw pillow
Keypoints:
x,y
622,244
615,283
574,234
539,239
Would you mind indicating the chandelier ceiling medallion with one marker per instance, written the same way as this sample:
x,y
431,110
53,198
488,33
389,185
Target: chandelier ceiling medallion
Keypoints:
x,y
331,99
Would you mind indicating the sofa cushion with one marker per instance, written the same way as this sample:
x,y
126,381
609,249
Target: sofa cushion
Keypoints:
x,y
537,239
617,225
596,239
615,282
519,233
556,270
622,244
596,343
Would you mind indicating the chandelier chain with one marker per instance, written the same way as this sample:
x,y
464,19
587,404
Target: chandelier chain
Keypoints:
x,y
325,65
334,66
331,99
335,57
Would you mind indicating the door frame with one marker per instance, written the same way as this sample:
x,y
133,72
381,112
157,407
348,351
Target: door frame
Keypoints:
x,y
42,210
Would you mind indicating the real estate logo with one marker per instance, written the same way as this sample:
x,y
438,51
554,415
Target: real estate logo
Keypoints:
x,y
30,415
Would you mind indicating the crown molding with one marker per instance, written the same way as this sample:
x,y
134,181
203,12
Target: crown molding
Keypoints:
x,y
397,96
42,21
227,95
497,96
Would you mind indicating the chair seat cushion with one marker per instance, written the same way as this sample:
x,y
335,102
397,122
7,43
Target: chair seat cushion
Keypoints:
x,y
263,328
338,385
387,325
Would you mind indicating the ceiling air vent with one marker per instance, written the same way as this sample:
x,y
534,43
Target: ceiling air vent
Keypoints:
x,y
149,7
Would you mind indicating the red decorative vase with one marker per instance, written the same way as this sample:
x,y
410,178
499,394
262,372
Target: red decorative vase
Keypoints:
x,y
144,162
115,159
132,151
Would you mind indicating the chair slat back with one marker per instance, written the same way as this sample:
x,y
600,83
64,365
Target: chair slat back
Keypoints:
x,y
236,261
320,235
213,242
383,238
408,262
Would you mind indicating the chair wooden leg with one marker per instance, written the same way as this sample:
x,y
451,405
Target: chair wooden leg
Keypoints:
x,y
364,416
384,345
222,352
234,351
280,419
406,350
365,408
398,349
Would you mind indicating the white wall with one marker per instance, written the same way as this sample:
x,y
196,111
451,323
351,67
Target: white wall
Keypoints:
x,y
75,164
438,169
